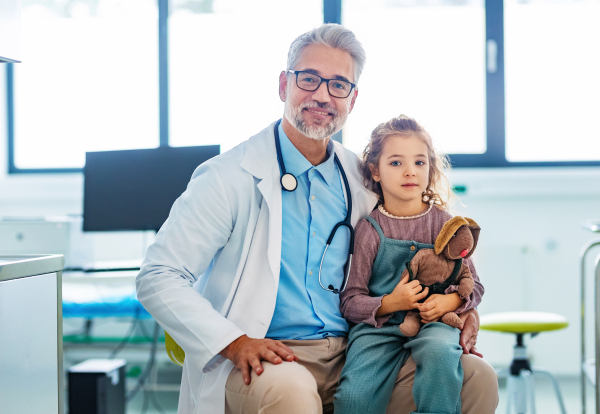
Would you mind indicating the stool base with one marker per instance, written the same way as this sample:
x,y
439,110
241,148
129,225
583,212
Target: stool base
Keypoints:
x,y
520,386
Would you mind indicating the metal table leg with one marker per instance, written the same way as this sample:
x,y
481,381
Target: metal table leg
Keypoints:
x,y
583,255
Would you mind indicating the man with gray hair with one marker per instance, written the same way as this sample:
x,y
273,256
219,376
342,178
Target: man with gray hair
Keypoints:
x,y
245,273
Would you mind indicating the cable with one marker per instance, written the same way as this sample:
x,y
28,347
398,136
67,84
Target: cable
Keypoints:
x,y
149,364
127,336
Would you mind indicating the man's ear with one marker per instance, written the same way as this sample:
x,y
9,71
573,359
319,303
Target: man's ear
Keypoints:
x,y
354,95
374,172
282,86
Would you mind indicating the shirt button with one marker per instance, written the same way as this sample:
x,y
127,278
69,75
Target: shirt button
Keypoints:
x,y
310,273
412,247
312,198
314,232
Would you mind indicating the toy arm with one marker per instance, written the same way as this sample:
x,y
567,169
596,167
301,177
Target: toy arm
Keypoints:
x,y
474,299
466,282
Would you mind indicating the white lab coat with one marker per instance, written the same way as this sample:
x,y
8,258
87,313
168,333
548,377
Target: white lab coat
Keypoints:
x,y
228,222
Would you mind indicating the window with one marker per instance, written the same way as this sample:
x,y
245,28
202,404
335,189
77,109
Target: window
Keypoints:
x,y
552,84
88,81
425,60
496,83
225,60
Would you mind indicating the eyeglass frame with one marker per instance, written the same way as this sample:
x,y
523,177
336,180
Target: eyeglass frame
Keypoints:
x,y
296,72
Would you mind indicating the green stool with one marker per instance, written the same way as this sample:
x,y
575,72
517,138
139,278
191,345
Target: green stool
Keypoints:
x,y
520,374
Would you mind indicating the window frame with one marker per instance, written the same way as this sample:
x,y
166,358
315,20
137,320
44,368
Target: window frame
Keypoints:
x,y
493,157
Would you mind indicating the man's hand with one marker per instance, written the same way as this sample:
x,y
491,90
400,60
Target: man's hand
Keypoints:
x,y
437,306
470,329
405,296
246,354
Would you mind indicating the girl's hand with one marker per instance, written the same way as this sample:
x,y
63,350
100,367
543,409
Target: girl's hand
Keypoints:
x,y
406,296
438,305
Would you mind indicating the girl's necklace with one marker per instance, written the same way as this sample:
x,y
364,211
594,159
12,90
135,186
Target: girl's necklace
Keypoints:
x,y
385,213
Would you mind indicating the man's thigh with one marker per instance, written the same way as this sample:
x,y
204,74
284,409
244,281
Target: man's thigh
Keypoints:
x,y
307,386
479,394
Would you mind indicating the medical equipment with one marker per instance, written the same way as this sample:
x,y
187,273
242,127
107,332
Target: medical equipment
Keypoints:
x,y
290,183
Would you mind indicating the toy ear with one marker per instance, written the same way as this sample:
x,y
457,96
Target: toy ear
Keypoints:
x,y
448,230
475,230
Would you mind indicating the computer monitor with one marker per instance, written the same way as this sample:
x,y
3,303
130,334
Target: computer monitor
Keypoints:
x,y
135,189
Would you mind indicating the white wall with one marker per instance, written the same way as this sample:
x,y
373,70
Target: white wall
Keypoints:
x,y
527,256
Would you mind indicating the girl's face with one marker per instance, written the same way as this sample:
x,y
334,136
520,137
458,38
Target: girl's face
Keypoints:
x,y
403,171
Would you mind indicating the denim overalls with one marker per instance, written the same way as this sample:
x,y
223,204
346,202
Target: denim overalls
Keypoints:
x,y
375,355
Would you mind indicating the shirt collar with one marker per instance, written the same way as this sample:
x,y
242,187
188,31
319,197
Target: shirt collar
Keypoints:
x,y
297,164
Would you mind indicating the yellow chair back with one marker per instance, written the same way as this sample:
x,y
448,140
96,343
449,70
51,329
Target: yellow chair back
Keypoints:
x,y
175,352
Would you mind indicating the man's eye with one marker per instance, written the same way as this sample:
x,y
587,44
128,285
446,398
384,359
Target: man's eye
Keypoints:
x,y
395,163
308,79
339,85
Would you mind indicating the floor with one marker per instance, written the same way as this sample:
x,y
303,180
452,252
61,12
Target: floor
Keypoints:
x,y
546,402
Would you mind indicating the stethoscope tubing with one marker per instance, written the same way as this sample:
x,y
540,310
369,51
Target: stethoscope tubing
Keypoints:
x,y
285,185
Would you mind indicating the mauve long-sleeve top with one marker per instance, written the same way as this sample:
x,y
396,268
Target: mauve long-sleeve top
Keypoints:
x,y
356,304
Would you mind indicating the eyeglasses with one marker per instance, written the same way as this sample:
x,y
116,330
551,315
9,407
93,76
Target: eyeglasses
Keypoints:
x,y
310,82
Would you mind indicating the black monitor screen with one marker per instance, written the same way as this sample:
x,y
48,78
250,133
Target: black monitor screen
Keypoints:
x,y
135,189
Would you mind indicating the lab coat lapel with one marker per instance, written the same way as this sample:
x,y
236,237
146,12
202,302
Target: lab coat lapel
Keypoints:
x,y
260,160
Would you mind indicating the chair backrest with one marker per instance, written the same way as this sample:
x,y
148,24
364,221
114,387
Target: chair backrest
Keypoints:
x,y
175,352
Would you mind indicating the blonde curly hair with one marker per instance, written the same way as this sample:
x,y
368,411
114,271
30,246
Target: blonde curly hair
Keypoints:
x,y
438,187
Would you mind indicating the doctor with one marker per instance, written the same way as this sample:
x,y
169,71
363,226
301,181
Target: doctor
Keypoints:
x,y
233,274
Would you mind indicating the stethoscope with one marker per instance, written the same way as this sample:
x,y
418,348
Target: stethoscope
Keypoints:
x,y
290,183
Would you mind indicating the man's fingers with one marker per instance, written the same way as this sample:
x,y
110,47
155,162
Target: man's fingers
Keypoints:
x,y
255,365
271,356
404,280
245,368
284,352
474,351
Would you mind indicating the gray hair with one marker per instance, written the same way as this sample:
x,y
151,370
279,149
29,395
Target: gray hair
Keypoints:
x,y
332,35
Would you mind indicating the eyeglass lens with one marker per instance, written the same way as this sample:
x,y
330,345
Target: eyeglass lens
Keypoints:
x,y
310,82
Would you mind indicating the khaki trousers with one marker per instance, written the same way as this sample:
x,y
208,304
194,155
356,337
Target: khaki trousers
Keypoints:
x,y
308,386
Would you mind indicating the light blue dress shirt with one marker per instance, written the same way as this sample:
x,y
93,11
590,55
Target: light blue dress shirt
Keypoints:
x,y
304,310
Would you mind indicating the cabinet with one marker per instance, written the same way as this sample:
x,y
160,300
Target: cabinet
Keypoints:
x,y
31,373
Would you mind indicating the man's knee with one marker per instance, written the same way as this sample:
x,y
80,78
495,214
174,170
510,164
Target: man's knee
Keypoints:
x,y
292,382
288,387
480,387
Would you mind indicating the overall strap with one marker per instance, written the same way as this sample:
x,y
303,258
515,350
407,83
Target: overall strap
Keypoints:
x,y
377,227
455,272
437,288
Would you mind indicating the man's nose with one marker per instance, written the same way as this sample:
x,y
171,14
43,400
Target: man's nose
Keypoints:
x,y
322,93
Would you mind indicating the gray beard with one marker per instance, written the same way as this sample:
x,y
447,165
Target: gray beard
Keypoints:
x,y
316,132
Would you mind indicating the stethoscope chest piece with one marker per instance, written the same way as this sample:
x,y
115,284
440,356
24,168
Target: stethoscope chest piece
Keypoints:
x,y
289,182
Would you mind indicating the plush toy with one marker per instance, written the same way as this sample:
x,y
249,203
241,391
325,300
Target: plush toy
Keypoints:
x,y
443,266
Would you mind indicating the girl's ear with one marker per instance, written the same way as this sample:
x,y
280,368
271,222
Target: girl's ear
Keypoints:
x,y
374,172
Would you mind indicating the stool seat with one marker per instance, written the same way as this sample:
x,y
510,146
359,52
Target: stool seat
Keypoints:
x,y
522,322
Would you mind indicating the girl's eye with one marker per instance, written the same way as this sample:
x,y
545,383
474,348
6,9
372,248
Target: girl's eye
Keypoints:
x,y
395,163
420,163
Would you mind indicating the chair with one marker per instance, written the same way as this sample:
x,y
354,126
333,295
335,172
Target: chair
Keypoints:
x,y
175,352
519,376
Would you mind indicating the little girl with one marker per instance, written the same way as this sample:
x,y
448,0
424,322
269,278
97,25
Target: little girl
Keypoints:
x,y
402,167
